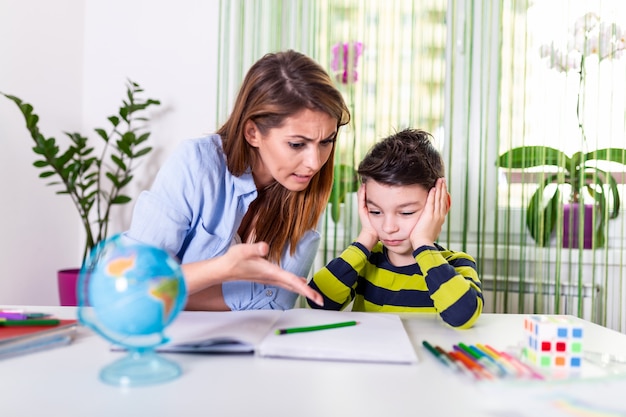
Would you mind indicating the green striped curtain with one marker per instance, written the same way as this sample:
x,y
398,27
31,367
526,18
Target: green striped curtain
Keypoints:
x,y
388,59
515,81
248,29
547,98
480,77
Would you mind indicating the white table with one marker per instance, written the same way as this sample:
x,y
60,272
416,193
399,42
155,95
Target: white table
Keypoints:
x,y
64,381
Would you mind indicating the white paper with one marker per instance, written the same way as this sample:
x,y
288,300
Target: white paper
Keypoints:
x,y
378,337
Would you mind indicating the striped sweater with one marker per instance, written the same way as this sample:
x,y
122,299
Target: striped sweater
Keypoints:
x,y
440,281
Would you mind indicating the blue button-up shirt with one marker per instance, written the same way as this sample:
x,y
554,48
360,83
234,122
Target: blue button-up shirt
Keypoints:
x,y
194,209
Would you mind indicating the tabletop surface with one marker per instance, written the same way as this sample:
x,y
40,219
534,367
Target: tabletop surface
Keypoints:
x,y
64,381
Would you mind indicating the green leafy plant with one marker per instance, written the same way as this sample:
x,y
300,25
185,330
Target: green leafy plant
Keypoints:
x,y
345,181
590,39
94,180
582,175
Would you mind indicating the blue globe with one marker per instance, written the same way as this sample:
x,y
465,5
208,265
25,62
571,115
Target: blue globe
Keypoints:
x,y
133,292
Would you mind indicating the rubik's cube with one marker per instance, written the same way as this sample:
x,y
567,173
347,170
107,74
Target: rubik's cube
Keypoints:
x,y
553,342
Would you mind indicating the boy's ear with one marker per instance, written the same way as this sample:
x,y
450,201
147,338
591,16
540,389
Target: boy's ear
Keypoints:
x,y
251,133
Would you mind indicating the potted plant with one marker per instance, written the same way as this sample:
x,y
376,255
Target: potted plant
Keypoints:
x,y
583,177
93,179
592,188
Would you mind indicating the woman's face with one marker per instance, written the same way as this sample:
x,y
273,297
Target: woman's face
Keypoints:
x,y
294,152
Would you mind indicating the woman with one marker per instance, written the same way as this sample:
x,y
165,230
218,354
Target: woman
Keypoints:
x,y
263,179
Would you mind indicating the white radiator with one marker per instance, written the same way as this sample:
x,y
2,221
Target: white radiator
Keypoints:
x,y
512,296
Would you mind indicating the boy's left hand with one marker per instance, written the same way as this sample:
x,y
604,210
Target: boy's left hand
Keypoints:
x,y
428,226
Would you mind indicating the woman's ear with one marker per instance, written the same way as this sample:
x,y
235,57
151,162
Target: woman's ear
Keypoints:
x,y
251,133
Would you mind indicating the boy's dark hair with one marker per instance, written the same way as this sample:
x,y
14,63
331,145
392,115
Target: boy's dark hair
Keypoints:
x,y
407,157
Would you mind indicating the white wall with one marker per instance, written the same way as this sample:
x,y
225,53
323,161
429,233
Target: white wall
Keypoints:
x,y
71,59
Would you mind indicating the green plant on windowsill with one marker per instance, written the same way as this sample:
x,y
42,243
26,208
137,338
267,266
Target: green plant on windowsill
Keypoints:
x,y
580,173
345,181
592,40
94,181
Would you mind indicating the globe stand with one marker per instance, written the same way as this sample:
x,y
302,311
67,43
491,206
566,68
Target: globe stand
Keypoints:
x,y
140,367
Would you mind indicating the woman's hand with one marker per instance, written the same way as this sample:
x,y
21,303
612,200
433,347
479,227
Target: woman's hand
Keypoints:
x,y
368,236
428,226
245,262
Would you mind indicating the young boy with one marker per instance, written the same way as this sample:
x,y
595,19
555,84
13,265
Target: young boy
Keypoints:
x,y
395,265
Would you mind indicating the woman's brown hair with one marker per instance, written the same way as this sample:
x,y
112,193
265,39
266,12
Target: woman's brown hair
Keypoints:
x,y
278,86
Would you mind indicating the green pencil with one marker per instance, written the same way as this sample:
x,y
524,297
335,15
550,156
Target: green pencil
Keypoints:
x,y
29,322
315,328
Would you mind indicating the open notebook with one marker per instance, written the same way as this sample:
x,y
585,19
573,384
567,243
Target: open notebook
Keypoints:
x,y
378,337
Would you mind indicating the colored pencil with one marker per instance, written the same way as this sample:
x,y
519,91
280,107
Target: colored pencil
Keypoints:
x,y
29,322
316,328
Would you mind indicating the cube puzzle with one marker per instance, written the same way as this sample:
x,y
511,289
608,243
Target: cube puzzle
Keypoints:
x,y
553,342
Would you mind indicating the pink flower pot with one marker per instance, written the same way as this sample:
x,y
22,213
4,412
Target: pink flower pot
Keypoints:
x,y
67,280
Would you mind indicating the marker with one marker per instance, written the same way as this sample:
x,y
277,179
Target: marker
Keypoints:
x,y
21,315
465,353
316,328
37,315
12,316
29,322
469,364
517,363
443,358
534,374
458,365
476,356
490,363
510,368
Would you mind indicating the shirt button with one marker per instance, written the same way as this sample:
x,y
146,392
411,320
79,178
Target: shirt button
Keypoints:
x,y
269,293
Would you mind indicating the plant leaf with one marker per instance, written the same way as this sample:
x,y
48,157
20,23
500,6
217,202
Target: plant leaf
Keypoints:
x,y
540,220
142,152
533,156
103,134
113,179
609,154
114,120
118,161
120,199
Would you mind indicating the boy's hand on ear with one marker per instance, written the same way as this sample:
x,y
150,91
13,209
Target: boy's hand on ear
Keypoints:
x,y
428,226
368,236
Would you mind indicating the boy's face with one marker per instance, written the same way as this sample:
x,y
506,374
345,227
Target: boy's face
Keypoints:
x,y
393,212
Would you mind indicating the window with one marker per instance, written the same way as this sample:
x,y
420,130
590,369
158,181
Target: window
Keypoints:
x,y
472,74
543,98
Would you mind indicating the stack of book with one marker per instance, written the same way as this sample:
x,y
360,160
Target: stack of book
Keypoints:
x,y
24,332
